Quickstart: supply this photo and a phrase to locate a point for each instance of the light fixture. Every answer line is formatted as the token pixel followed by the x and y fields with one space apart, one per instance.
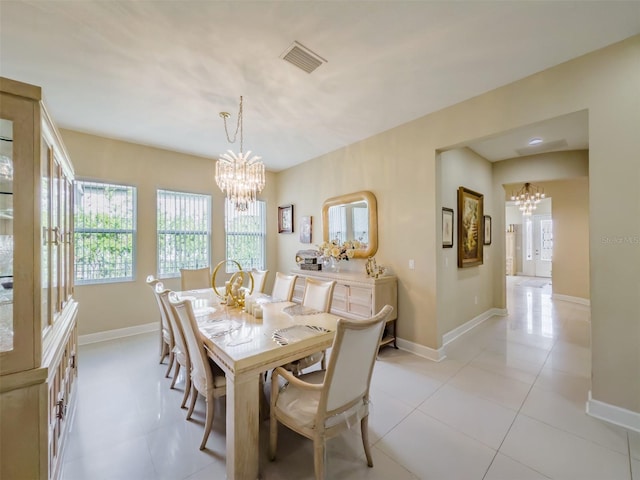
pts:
pixel 240 176
pixel 528 197
pixel 535 141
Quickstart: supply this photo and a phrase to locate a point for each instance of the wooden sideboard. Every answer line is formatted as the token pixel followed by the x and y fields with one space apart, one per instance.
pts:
pixel 357 296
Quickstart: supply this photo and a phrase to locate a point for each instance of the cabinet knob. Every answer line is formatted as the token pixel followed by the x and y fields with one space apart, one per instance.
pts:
pixel 60 409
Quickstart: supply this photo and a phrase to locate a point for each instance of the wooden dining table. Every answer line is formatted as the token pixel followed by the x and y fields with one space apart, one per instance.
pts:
pixel 245 347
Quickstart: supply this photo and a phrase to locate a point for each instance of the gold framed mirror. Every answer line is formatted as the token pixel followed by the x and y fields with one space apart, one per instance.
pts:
pixel 353 216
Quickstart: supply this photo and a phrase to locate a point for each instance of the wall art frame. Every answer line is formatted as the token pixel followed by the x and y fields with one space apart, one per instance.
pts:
pixel 306 224
pixel 447 227
pixel 470 228
pixel 487 230
pixel 285 219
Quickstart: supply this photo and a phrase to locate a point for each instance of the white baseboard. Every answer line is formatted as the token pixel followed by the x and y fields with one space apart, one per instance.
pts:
pixel 474 322
pixel 420 350
pixel 118 333
pixel 568 298
pixel 612 414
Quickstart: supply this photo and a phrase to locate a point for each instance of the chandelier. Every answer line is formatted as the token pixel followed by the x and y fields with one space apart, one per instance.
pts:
pixel 240 176
pixel 528 197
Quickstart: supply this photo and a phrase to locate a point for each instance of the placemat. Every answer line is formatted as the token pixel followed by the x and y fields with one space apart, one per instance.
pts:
pixel 295 333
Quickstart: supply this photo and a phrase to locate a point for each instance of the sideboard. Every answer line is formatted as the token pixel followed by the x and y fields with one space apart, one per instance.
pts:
pixel 357 296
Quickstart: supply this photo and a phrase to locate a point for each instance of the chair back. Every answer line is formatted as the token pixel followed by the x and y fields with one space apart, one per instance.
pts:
pixel 201 374
pixel 283 286
pixel 167 329
pixel 194 279
pixel 318 294
pixel 350 366
pixel 178 335
pixel 259 280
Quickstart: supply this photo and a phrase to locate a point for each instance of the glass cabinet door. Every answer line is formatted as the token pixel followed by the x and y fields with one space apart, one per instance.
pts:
pixel 6 235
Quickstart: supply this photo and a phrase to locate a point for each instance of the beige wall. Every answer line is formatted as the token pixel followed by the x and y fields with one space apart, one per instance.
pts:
pixel 111 306
pixel 400 167
pixel 464 293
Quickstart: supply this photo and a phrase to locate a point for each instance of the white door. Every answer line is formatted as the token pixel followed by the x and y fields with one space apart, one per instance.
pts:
pixel 537 241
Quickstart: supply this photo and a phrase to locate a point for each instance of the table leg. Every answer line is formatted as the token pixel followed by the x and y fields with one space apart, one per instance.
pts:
pixel 243 413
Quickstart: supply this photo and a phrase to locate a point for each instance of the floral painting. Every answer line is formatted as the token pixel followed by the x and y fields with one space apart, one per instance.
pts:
pixel 470 233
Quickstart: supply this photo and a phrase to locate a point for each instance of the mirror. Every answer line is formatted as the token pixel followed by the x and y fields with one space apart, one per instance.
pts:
pixel 352 217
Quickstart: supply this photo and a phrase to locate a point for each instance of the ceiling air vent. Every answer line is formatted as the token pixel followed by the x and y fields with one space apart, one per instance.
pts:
pixel 543 147
pixel 303 58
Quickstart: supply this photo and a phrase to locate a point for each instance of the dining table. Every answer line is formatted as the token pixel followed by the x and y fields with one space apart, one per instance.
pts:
pixel 245 346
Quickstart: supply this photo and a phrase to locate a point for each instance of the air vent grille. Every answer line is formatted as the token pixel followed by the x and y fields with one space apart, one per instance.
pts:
pixel 303 58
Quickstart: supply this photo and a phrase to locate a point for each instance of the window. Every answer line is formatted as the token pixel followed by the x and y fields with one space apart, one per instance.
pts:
pixel 184 232
pixel 105 232
pixel 246 233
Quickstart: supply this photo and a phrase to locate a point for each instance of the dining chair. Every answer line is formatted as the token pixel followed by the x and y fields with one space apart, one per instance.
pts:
pixel 180 351
pixel 259 280
pixel 166 332
pixel 283 286
pixel 164 347
pixel 207 378
pixel 194 279
pixel 321 404
pixel 318 295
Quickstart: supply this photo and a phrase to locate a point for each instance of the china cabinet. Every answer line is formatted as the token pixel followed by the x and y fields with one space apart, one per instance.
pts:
pixel 38 335
pixel 357 296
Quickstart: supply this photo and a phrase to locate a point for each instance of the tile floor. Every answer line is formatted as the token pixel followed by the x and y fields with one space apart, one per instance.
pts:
pixel 508 403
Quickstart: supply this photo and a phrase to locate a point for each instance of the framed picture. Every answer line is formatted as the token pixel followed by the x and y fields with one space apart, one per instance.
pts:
pixel 487 230
pixel 305 230
pixel 447 227
pixel 285 219
pixel 470 228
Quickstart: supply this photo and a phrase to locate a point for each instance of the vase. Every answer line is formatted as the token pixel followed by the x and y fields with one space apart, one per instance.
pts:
pixel 335 265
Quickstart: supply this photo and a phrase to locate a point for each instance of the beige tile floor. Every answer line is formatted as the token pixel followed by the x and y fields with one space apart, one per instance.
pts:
pixel 508 403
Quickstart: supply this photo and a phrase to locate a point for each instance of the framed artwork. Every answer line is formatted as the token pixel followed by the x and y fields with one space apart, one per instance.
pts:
pixel 487 230
pixel 285 219
pixel 305 230
pixel 470 228
pixel 447 227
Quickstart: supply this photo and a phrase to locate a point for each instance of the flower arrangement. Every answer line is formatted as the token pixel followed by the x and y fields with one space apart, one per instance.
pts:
pixel 337 251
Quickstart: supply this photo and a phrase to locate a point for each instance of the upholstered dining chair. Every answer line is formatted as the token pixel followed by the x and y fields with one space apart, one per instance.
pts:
pixel 180 351
pixel 321 404
pixel 283 286
pixel 193 279
pixel 259 279
pixel 207 378
pixel 318 295
pixel 164 346
pixel 166 332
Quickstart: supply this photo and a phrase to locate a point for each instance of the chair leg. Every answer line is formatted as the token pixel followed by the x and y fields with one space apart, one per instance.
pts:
pixel 364 427
pixel 170 366
pixel 208 420
pixel 273 436
pixel 194 397
pixel 175 375
pixel 318 457
pixel 187 389
pixel 323 362
pixel 163 350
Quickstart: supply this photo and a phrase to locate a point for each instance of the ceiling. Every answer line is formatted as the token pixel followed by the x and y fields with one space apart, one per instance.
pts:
pixel 160 72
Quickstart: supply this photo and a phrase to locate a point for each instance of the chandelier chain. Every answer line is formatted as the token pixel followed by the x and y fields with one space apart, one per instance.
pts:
pixel 239 126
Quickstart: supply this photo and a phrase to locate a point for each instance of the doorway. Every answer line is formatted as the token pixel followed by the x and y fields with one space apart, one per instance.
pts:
pixel 537 241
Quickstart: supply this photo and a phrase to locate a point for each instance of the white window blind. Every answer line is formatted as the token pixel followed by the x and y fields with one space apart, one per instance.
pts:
pixel 246 235
pixel 104 232
pixel 184 232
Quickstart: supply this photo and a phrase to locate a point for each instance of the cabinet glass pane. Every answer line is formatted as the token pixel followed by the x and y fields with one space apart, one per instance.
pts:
pixel 6 235
pixel 45 215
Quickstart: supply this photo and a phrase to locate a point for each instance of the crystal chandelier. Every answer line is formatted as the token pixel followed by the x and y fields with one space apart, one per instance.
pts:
pixel 528 197
pixel 240 176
